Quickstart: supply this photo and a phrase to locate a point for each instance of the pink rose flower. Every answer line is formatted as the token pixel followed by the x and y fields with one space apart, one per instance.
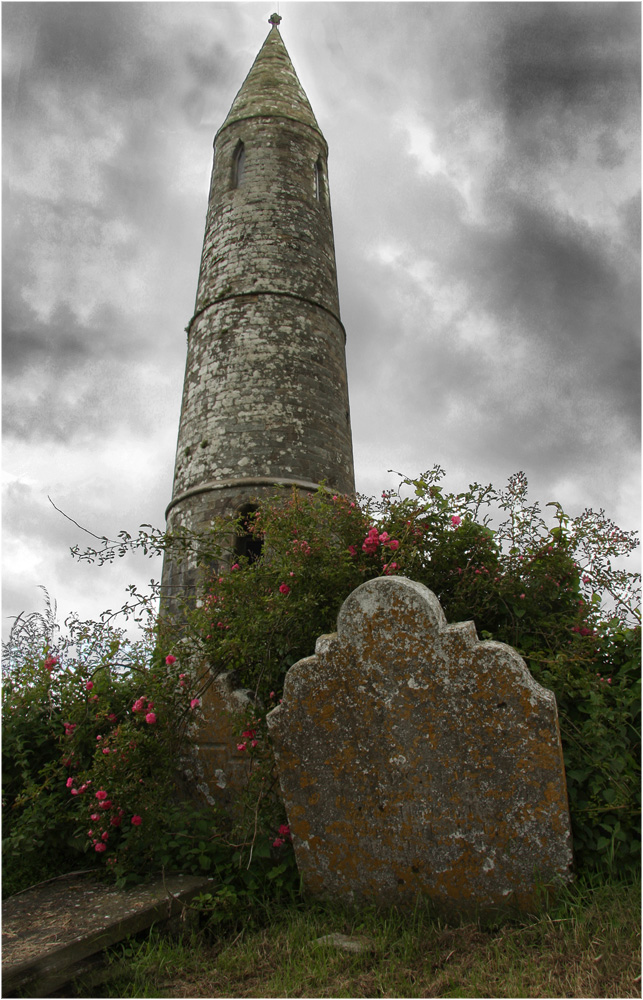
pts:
pixel 195 703
pixel 150 718
pixel 70 782
pixel 284 830
pixel 393 544
pixel 277 842
pixel 284 588
pixel 107 804
pixel 137 820
pixel 100 846
pixel 51 662
pixel 89 685
pixel 169 659
pixel 100 794
pixel 455 520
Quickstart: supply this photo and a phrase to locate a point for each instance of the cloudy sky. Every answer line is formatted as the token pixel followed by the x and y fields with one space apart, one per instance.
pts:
pixel 485 185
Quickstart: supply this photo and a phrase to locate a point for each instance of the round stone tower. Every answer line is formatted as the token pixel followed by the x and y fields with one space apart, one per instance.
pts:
pixel 265 397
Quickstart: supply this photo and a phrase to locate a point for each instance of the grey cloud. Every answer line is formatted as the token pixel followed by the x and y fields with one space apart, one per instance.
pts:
pixel 62 340
pixel 556 57
pixel 630 217
pixel 27 341
pixel 85 44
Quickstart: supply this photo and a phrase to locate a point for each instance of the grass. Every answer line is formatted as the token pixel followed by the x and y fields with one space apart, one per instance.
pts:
pixel 586 945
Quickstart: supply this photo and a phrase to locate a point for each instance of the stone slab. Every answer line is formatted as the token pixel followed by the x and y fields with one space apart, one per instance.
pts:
pixel 216 772
pixel 415 759
pixel 49 931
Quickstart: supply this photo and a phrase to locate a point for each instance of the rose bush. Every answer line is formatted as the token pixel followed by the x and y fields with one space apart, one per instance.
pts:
pixel 95 723
pixel 553 591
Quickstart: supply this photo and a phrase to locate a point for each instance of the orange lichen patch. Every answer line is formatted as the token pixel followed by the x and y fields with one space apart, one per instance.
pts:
pixel 442 772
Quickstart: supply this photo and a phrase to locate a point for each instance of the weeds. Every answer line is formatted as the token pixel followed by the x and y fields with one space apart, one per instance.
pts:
pixel 587 944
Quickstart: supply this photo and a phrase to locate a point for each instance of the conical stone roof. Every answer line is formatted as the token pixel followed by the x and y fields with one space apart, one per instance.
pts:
pixel 272 88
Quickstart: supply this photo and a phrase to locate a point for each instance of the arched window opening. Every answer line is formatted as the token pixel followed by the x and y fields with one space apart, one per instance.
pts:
pixel 239 165
pixel 247 543
pixel 319 181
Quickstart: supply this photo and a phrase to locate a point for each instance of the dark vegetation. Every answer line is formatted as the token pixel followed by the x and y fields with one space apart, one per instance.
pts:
pixel 95 721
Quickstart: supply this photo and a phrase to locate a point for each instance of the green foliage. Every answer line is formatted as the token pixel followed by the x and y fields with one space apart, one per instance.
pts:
pixel 260 617
pixel 94 727
pixel 552 592
pixel 95 712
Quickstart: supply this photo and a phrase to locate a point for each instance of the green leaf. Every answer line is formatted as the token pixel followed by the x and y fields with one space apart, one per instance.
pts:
pixel 577 775
pixel 261 849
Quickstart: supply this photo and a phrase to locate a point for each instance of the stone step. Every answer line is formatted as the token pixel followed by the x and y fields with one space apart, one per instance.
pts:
pixel 51 930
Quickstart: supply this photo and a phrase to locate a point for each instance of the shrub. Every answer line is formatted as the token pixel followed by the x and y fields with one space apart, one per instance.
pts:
pixel 95 726
pixel 546 590
pixel 553 592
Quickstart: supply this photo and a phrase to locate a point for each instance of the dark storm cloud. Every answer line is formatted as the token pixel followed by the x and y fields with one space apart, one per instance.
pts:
pixel 82 42
pixel 561 286
pixel 27 341
pixel 60 340
pixel 582 57
pixel 112 47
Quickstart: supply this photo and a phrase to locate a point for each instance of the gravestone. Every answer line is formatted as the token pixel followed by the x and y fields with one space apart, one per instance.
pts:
pixel 415 759
pixel 215 770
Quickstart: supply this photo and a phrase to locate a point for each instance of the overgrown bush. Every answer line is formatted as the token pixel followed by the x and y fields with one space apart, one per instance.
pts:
pixel 554 592
pixel 95 727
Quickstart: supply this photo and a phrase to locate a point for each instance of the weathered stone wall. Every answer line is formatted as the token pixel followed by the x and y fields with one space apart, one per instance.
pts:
pixel 265 395
pixel 271 233
pixel 414 759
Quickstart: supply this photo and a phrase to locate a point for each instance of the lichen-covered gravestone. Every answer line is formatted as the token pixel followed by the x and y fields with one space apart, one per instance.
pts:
pixel 215 771
pixel 415 759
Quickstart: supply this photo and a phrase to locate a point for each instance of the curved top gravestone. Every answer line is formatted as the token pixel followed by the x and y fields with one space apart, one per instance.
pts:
pixel 415 759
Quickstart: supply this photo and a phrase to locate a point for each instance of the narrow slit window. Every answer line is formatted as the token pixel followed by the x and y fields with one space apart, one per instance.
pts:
pixel 239 166
pixel 319 181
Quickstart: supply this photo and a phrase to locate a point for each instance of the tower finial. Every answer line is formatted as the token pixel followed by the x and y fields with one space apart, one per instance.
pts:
pixel 274 20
